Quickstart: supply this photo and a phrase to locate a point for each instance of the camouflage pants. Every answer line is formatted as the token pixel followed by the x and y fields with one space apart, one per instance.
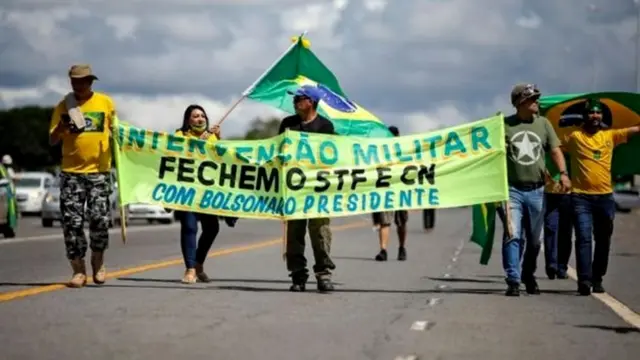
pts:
pixel 76 190
pixel 320 235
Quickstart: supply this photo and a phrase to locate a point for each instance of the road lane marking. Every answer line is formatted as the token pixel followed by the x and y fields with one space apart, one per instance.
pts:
pixel 622 310
pixel 419 325
pixel 12 295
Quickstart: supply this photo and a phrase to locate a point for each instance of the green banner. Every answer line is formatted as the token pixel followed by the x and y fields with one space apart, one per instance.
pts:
pixel 298 175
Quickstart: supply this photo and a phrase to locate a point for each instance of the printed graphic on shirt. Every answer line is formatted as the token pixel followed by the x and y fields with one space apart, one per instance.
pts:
pixel 526 147
pixel 597 154
pixel 94 121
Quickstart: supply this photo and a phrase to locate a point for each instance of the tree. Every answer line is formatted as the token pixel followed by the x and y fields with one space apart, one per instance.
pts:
pixel 24 134
pixel 262 128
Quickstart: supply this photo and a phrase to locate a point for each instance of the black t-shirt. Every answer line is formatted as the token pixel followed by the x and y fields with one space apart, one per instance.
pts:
pixel 319 125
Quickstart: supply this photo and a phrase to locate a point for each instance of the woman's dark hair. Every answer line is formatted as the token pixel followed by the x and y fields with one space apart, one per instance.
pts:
pixel 187 115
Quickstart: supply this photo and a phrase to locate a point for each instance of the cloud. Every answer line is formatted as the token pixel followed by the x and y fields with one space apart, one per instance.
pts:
pixel 417 64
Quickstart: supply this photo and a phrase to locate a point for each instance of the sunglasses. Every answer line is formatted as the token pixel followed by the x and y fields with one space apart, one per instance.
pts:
pixel 530 90
pixel 595 112
pixel 299 98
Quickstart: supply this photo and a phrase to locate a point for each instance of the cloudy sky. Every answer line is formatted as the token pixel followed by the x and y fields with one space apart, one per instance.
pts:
pixel 418 64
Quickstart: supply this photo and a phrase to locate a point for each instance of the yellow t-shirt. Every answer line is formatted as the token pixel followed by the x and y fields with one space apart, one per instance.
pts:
pixel 90 150
pixel 190 134
pixel 591 156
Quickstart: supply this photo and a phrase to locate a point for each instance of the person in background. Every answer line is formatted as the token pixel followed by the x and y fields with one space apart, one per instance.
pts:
pixel 529 137
pixel 195 124
pixel 558 228
pixel 307 119
pixel 82 122
pixel 382 220
pixel 7 161
pixel 590 147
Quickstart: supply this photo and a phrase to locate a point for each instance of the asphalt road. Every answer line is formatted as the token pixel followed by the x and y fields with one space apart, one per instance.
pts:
pixel 439 304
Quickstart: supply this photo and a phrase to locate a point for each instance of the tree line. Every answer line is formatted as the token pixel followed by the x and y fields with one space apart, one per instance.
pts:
pixel 24 134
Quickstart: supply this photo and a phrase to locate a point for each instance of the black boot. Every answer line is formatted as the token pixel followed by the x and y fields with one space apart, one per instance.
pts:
pixel 597 287
pixel 584 288
pixel 325 285
pixel 513 289
pixel 531 286
pixel 299 282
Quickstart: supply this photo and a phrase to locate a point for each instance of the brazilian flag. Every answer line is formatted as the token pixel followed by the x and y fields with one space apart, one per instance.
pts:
pixel 299 68
pixel 484 228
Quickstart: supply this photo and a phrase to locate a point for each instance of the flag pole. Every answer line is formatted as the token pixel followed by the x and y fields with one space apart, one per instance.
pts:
pixel 123 222
pixel 248 90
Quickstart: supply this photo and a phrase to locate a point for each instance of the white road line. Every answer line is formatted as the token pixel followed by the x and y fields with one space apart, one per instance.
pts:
pixel 58 236
pixel 410 357
pixel 622 310
pixel 419 325
pixel 434 301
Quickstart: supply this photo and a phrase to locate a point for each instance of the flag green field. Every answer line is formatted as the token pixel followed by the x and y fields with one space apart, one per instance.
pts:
pixel 620 110
pixel 300 67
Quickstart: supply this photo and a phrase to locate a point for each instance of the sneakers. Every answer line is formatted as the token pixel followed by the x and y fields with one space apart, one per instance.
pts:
pixel 512 290
pixel 201 275
pixel 189 276
pixel 325 285
pixel 597 288
pixel 382 255
pixel 584 289
pixel 532 287
pixel 402 254
pixel 79 277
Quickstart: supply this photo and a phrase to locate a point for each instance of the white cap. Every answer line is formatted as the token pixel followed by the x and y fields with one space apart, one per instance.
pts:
pixel 7 160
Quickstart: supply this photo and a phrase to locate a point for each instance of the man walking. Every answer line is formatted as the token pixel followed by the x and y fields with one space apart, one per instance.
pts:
pixel 383 221
pixel 307 119
pixel 528 137
pixel 82 122
pixel 591 150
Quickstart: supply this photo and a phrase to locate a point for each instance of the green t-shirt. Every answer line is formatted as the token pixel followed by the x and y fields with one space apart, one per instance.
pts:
pixel 527 144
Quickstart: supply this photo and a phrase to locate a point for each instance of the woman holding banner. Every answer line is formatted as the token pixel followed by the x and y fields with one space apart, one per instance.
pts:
pixel 195 124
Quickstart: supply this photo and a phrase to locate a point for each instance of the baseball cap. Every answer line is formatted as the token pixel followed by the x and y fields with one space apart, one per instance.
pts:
pixel 309 91
pixel 79 71
pixel 522 92
pixel 593 105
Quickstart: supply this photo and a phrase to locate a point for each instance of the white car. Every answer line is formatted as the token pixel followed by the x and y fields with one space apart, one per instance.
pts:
pixel 626 199
pixel 31 189
pixel 149 212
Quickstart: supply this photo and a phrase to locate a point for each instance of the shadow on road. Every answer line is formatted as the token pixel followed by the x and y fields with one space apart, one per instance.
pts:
pixel 480 281
pixel 32 283
pixel 616 329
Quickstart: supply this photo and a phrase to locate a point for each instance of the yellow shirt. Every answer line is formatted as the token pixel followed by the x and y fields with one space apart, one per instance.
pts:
pixel 591 156
pixel 90 150
pixel 190 134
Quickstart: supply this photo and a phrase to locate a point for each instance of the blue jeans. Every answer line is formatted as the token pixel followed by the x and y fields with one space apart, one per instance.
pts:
pixel 526 211
pixel 558 229
pixel 593 214
pixel 192 252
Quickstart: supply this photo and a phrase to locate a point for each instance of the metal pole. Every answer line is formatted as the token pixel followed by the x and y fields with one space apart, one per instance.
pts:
pixel 637 44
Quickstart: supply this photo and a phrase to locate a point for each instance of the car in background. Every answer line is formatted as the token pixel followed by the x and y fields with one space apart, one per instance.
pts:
pixel 6 198
pixel 51 205
pixel 151 213
pixel 626 199
pixel 31 188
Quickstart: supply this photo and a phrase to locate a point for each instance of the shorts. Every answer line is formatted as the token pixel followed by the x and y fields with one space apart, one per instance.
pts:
pixel 383 219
